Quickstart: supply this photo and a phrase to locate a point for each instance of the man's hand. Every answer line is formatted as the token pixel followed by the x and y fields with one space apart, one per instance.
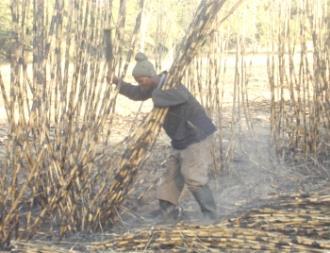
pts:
pixel 114 80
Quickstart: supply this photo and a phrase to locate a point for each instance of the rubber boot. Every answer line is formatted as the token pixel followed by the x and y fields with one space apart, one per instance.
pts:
pixel 204 197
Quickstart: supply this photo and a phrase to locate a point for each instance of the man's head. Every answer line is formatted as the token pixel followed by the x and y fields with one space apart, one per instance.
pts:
pixel 144 72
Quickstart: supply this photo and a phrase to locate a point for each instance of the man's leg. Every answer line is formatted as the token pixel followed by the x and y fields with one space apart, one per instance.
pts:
pixel 172 182
pixel 170 188
pixel 196 160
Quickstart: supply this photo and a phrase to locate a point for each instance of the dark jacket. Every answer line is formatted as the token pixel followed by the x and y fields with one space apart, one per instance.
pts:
pixel 186 121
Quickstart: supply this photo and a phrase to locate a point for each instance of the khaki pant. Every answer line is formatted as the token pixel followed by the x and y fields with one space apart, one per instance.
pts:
pixel 189 166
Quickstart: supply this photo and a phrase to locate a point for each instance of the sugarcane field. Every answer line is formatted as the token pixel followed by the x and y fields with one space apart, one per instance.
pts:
pixel 164 126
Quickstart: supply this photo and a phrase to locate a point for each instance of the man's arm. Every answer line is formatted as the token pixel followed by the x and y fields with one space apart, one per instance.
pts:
pixel 133 92
pixel 170 97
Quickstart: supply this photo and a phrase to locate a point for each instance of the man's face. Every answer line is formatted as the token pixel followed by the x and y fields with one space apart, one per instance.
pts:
pixel 146 82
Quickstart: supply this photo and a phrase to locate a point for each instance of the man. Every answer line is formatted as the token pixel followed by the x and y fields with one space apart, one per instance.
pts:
pixel 190 130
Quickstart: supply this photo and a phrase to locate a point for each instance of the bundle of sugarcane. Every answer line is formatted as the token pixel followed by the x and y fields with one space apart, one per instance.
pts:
pixel 188 238
pixel 38 247
pixel 301 215
pixel 299 223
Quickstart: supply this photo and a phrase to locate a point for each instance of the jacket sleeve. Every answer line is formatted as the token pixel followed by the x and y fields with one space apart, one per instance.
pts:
pixel 171 97
pixel 133 92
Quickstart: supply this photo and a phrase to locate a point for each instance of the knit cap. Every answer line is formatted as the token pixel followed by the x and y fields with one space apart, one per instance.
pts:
pixel 143 66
